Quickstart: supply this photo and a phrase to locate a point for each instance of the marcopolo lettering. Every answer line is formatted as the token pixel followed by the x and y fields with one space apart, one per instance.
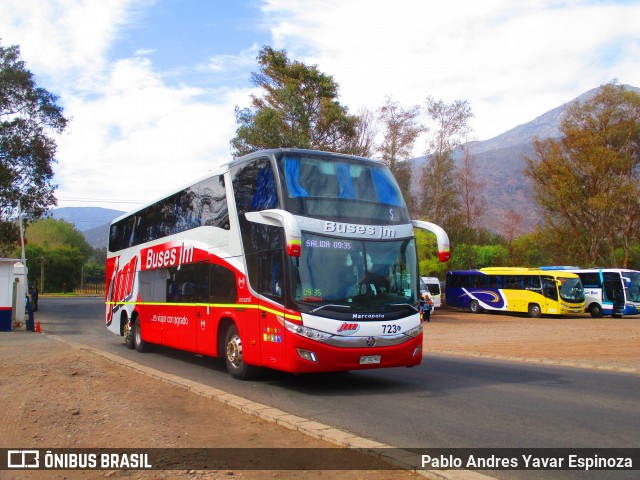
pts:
pixel 368 316
pixel 367 230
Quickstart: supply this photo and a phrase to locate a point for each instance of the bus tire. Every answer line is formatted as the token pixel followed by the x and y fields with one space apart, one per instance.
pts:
pixel 128 334
pixel 534 310
pixel 233 359
pixel 595 310
pixel 474 306
pixel 140 345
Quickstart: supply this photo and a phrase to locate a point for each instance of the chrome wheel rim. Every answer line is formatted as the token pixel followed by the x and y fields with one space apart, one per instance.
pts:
pixel 234 351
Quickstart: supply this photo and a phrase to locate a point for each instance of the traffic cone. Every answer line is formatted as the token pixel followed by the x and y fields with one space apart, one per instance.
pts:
pixel 37 327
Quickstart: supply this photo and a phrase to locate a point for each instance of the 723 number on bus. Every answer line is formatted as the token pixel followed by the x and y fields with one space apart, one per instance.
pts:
pixel 391 328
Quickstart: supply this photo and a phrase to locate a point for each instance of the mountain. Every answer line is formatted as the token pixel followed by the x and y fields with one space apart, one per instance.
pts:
pixel 93 222
pixel 85 218
pixel 500 165
pixel 97 237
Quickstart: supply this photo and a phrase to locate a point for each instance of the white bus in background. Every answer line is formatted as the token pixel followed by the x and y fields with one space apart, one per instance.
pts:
pixel 433 285
pixel 609 291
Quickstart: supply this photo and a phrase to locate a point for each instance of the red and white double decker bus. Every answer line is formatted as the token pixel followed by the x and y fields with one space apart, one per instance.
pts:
pixel 295 260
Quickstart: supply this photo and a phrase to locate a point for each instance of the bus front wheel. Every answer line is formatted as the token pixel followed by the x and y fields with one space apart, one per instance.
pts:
pixel 595 310
pixel 534 310
pixel 233 359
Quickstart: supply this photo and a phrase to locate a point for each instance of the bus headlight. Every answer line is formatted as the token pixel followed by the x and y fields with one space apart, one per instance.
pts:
pixel 414 332
pixel 310 333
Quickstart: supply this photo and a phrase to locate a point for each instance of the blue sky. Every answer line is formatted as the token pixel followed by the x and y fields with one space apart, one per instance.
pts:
pixel 151 85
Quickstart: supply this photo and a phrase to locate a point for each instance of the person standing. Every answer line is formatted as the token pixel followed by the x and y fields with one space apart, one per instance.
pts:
pixel 426 306
pixel 34 299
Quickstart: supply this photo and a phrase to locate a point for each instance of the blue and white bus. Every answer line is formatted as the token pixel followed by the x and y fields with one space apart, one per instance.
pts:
pixel 609 291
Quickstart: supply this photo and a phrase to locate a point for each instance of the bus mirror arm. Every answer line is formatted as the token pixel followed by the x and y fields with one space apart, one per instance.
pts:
pixel 441 237
pixel 284 219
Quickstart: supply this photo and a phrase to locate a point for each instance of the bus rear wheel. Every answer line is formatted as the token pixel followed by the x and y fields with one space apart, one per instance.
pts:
pixel 233 358
pixel 534 310
pixel 474 306
pixel 139 344
pixel 128 334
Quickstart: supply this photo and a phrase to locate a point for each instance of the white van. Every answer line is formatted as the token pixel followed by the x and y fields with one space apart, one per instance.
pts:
pixel 433 284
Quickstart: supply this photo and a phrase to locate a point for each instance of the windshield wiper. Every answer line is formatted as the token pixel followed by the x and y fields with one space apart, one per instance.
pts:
pixel 330 305
pixel 402 305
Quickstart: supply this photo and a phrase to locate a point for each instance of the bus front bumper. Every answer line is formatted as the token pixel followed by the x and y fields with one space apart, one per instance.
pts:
pixel 309 356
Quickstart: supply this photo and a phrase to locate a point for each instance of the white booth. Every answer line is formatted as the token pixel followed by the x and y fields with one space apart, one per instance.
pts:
pixel 13 292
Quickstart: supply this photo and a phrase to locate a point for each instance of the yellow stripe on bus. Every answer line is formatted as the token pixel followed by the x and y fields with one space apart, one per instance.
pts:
pixel 213 305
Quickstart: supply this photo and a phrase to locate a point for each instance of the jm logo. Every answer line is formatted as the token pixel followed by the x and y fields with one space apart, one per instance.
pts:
pixel 23 459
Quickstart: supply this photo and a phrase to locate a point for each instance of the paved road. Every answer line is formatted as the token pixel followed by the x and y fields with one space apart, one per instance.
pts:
pixel 446 402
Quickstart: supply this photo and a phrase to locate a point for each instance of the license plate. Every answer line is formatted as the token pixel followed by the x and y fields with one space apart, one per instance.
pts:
pixel 370 359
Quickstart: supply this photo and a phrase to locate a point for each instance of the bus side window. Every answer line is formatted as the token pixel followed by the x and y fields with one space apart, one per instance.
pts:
pixel 253 187
pixel 222 285
pixel 212 203
pixel 271 281
pixel 191 284
pixel 549 288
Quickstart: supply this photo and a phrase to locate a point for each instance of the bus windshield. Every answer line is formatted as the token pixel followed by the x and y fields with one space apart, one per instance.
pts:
pixel 323 186
pixel 355 274
pixel 571 290
pixel 633 290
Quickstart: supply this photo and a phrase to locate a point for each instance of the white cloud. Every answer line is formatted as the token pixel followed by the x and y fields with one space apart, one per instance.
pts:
pixel 141 138
pixel 223 63
pixel 132 136
pixel 135 135
pixel 511 61
pixel 65 40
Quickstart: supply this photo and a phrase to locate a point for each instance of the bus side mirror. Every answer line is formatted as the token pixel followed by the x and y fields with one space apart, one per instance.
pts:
pixel 441 237
pixel 284 219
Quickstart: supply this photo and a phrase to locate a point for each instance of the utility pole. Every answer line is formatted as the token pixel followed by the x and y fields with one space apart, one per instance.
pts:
pixel 24 261
pixel 41 273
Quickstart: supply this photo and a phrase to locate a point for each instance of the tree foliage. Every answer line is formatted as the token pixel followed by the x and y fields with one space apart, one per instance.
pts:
pixel 50 233
pixel 588 182
pixel 401 130
pixel 363 143
pixel 472 200
pixel 28 115
pixel 440 200
pixel 57 249
pixel 298 108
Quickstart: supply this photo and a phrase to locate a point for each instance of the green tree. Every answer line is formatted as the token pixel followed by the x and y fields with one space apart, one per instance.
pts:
pixel 57 249
pixel 298 108
pixel 588 182
pixel 401 130
pixel 50 233
pixel 28 115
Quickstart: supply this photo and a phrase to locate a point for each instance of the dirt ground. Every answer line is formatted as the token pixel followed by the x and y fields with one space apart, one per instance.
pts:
pixel 54 396
pixel 604 343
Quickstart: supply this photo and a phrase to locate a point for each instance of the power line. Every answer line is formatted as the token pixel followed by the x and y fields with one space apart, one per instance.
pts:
pixel 99 200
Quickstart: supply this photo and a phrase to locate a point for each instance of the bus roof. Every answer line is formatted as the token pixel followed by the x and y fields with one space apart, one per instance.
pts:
pixel 514 271
pixel 224 167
